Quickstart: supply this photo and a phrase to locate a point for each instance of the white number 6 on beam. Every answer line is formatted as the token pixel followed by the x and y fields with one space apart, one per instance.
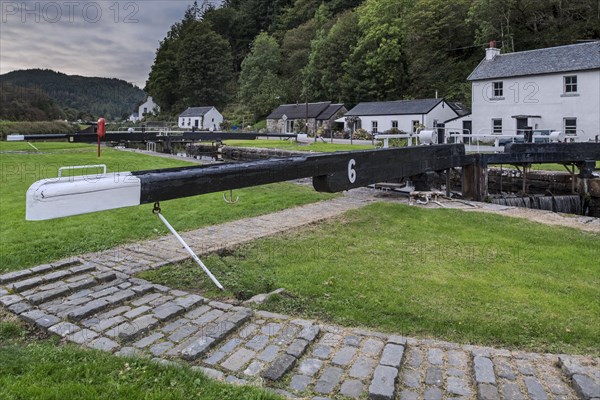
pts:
pixel 351 171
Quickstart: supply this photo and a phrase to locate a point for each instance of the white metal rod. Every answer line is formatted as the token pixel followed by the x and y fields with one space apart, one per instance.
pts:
pixel 189 250
pixel 36 149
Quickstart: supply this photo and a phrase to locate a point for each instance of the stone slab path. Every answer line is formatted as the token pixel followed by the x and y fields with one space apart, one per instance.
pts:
pixel 95 300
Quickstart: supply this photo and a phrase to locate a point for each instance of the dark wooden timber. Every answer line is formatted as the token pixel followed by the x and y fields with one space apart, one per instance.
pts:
pixel 331 172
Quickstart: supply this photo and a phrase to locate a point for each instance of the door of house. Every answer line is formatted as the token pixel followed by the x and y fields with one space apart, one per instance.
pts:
pixel 468 127
pixel 196 121
pixel 521 125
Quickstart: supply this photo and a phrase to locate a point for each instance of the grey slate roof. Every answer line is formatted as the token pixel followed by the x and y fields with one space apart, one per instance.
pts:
pixel 575 57
pixel 195 111
pixel 399 107
pixel 298 111
pixel 459 108
pixel 330 111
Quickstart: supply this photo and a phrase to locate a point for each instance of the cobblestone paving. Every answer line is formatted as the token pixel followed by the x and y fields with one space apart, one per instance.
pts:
pixel 95 301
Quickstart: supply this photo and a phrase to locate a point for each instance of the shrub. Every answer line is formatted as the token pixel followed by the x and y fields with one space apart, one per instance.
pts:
pixel 37 128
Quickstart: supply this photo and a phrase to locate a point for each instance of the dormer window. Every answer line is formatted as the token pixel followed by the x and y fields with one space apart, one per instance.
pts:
pixel 570 85
pixel 498 88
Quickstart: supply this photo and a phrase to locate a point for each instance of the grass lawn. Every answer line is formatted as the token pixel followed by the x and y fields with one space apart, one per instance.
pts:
pixel 25 243
pixel 47 370
pixel 463 277
pixel 548 167
pixel 293 145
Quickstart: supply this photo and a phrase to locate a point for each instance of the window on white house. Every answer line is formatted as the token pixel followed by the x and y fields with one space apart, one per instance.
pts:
pixel 394 124
pixel 145 110
pixel 415 126
pixel 570 84
pixel 497 125
pixel 189 121
pixel 374 127
pixel 570 126
pixel 498 89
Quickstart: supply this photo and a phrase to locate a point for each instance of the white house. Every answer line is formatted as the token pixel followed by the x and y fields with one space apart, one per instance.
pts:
pixel 555 88
pixel 148 107
pixel 134 117
pixel 202 118
pixel 403 115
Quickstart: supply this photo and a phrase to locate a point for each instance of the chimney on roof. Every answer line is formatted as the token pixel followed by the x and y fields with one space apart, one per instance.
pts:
pixel 492 51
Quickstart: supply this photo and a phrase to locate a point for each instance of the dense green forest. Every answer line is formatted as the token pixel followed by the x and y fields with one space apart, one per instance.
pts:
pixel 42 94
pixel 251 55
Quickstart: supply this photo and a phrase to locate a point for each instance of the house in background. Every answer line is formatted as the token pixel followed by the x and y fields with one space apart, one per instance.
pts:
pixel 555 88
pixel 201 118
pixel 402 115
pixel 462 123
pixel 134 117
pixel 289 118
pixel 148 107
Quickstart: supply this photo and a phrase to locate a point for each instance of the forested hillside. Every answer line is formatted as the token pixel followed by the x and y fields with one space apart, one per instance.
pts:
pixel 26 104
pixel 78 96
pixel 256 54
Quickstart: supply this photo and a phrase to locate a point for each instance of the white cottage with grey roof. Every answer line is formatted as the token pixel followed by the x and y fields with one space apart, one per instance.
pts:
pixel 403 115
pixel 556 88
pixel 201 118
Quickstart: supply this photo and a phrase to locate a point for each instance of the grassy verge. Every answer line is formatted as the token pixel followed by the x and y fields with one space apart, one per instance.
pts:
pixel 45 369
pixel 464 277
pixel 549 167
pixel 26 243
pixel 293 145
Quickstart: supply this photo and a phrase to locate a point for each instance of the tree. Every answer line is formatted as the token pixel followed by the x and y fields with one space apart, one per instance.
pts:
pixel 205 67
pixel 295 50
pixel 311 73
pixel 377 67
pixel 260 85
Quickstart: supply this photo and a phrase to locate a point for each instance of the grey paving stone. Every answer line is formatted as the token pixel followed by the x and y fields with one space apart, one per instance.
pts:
pixel 145 299
pixel 383 384
pixel 372 347
pixel 107 323
pixel 484 370
pixel 504 370
pixel 487 391
pixel 22 286
pixel 309 333
pixel 129 352
pixel 238 359
pixel 556 385
pixel 415 357
pixel 236 381
pixel 411 378
pixel 190 301
pixel 409 395
pixel 321 351
pixel 161 348
pixel 82 284
pixel 328 380
pixel 208 317
pixel 88 309
pixel 113 313
pixel 47 321
pixel 297 348
pixel 585 386
pixel 282 365
pixel 130 330
pixel 344 356
pixel 511 391
pixel 64 328
pixel 55 276
pixel 310 366
pixel 525 367
pixel 104 344
pixel 136 312
pixel 434 376
pixel 47 295
pixel 254 368
pixel 81 337
pixel 432 393
pixel 248 331
pixel 269 353
pixel 211 373
pixel 183 333
pixel 197 348
pixel 215 358
pixel 104 292
pixel 397 339
pixel 330 339
pixel 270 315
pixel 258 342
pixel 362 367
pixel 435 356
pixel 300 382
pixel 143 289
pixel 33 315
pixel 40 269
pixel 148 340
pixel 352 340
pixel 3 292
pixel 19 308
pixel 10 299
pixel 271 329
pixel 14 276
pixel 173 326
pixel 534 388
pixel 220 305
pixel 352 388
pixel 392 355
pixel 458 386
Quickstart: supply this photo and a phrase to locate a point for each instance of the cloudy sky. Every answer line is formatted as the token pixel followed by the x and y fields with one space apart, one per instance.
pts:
pixel 114 39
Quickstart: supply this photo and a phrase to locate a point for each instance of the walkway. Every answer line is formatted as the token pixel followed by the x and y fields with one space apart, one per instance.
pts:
pixel 95 300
